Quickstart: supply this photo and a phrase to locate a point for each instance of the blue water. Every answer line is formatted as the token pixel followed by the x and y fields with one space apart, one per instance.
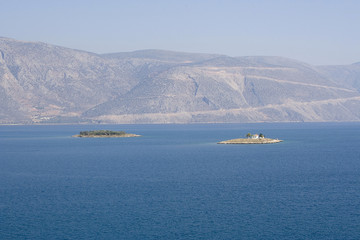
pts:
pixel 175 182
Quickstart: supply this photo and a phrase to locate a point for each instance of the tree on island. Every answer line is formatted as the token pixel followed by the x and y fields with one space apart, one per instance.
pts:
pixel 261 135
pixel 248 135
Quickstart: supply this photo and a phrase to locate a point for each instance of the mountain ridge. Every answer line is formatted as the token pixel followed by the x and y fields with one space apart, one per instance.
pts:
pixel 42 83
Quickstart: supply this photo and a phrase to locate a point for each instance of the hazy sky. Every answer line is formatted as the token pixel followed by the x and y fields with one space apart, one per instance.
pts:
pixel 314 31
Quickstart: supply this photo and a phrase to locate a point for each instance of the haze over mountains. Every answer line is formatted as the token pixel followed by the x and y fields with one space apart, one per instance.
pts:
pixel 42 83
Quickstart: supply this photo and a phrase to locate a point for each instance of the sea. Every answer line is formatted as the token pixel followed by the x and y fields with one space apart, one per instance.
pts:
pixel 176 182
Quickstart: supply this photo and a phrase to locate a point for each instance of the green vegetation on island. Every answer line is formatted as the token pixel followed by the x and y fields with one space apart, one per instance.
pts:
pixel 251 139
pixel 105 133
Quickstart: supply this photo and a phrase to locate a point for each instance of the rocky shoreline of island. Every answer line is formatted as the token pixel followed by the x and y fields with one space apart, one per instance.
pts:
pixel 251 141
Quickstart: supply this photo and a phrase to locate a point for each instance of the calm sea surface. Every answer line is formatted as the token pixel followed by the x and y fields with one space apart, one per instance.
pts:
pixel 175 182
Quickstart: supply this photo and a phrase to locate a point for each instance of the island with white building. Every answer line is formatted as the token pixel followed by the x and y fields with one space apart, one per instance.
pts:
pixel 251 139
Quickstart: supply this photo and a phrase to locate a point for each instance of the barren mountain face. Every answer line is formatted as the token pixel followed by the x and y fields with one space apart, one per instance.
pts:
pixel 42 83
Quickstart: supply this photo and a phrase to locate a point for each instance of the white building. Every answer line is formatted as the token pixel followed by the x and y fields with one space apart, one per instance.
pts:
pixel 255 136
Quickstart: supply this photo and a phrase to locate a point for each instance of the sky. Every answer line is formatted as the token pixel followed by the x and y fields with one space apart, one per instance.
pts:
pixel 319 32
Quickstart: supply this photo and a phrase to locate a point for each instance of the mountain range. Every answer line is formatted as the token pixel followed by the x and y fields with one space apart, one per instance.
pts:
pixel 42 83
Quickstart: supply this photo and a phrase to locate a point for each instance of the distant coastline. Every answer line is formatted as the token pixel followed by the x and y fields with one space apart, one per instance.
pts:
pixel 251 141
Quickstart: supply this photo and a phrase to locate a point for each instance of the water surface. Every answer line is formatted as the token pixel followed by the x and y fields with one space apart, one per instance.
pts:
pixel 175 182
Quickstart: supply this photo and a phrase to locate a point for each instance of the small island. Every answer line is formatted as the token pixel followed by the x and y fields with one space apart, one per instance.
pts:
pixel 251 139
pixel 105 134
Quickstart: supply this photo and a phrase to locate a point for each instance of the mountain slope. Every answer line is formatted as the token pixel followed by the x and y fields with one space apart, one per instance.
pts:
pixel 231 94
pixel 42 83
pixel 346 75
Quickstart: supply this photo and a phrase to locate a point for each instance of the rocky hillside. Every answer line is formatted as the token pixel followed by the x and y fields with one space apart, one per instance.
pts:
pixel 42 83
